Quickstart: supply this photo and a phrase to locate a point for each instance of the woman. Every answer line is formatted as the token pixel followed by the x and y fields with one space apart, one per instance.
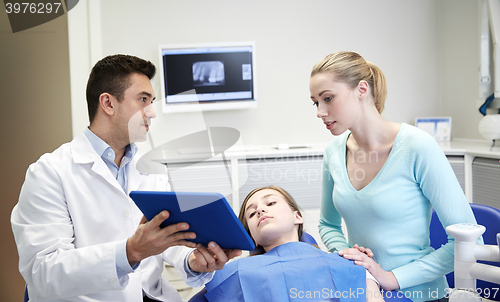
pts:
pixel 287 269
pixel 383 178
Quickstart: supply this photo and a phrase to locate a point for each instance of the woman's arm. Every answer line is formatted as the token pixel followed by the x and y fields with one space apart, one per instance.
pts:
pixel 387 280
pixel 373 293
pixel 330 222
pixel 440 186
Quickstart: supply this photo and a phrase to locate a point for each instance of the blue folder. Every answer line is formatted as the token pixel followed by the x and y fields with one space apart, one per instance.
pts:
pixel 208 215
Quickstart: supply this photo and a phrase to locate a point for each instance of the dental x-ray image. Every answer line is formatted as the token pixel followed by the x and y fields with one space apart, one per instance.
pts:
pixel 208 73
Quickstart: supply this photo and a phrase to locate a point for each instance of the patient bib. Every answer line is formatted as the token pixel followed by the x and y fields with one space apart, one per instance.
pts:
pixel 294 271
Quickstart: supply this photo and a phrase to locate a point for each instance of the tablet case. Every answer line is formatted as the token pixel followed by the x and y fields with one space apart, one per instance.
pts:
pixel 208 215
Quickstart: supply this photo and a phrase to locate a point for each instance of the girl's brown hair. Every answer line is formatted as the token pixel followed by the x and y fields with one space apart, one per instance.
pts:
pixel 289 199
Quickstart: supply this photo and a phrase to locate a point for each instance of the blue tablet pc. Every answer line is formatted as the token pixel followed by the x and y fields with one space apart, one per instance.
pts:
pixel 208 215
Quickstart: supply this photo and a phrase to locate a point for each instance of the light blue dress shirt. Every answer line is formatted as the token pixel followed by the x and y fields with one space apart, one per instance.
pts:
pixel 108 156
pixel 120 173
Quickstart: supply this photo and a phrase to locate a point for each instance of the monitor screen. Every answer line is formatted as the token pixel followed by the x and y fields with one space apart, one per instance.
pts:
pixel 207 76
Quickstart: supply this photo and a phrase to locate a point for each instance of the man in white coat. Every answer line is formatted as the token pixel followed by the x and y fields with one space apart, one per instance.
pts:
pixel 79 235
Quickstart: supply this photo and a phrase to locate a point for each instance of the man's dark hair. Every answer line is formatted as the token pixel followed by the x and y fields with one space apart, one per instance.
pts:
pixel 111 75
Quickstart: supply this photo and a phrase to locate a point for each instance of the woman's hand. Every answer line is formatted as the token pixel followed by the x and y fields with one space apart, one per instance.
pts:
pixel 386 279
pixel 367 251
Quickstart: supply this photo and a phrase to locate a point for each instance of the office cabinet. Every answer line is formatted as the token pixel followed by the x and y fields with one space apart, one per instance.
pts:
pixel 298 175
pixel 486 181
pixel 457 163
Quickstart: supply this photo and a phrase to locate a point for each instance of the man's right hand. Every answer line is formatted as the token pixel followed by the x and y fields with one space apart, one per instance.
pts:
pixel 149 239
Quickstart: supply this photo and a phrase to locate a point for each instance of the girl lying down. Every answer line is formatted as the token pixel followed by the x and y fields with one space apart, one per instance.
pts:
pixel 287 270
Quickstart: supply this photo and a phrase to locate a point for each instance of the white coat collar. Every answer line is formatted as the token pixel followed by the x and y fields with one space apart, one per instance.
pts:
pixel 135 178
pixel 83 153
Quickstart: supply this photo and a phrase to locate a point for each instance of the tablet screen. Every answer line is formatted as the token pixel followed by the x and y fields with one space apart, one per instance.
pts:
pixel 208 215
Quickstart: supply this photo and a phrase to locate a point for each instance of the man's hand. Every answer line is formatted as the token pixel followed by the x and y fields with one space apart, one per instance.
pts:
pixel 209 259
pixel 149 239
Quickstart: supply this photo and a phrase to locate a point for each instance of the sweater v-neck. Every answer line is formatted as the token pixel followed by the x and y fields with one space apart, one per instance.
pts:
pixel 345 175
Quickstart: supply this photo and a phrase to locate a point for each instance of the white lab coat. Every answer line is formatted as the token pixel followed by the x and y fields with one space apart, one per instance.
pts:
pixel 70 216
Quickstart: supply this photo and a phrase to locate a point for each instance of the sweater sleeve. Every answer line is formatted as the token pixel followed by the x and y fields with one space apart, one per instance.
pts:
pixel 330 222
pixel 440 186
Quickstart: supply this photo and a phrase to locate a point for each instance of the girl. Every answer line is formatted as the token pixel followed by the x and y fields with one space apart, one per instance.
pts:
pixel 383 178
pixel 288 270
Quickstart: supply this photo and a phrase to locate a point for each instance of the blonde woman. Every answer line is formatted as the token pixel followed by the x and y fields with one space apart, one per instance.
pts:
pixel 383 178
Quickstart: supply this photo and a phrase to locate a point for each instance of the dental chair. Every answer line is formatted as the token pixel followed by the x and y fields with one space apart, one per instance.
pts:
pixel 200 296
pixel 489 218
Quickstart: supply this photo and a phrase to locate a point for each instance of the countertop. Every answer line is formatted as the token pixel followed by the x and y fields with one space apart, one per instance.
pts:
pixel 458 147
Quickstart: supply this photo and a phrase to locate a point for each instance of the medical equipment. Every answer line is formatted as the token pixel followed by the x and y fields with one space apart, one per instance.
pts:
pixel 467 252
pixel 489 126
pixel 489 80
pixel 207 76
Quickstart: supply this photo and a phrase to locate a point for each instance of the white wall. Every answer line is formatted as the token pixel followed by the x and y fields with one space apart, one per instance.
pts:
pixel 401 37
pixel 459 66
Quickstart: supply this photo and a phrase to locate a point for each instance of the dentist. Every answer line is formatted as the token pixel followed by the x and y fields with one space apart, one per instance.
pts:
pixel 79 235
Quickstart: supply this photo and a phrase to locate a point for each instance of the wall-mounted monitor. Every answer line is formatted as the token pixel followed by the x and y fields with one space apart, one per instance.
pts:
pixel 207 76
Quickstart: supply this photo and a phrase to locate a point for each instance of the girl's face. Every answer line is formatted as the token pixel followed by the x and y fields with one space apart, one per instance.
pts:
pixel 338 105
pixel 270 219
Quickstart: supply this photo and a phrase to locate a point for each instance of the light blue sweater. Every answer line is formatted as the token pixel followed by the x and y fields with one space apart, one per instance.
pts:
pixel 392 214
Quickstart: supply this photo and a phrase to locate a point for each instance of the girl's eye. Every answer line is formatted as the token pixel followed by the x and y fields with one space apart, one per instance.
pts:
pixel 328 99
pixel 315 104
pixel 271 203
pixel 144 99
pixel 251 215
